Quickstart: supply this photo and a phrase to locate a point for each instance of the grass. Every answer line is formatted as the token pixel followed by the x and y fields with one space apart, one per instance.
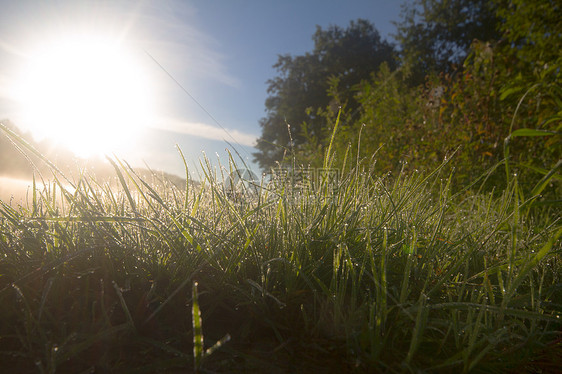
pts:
pixel 364 273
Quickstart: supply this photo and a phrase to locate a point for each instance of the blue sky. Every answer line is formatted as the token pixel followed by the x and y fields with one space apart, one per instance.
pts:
pixel 221 52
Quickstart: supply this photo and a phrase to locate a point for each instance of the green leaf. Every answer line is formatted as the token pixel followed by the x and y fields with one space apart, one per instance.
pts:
pixel 509 92
pixel 541 185
pixel 532 132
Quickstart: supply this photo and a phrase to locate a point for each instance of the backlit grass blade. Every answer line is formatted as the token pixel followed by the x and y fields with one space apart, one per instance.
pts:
pixel 419 328
pixel 328 158
pixel 197 330
pixel 124 305
pixel 225 339
pixel 528 267
pixel 186 200
pixel 410 256
pixel 123 184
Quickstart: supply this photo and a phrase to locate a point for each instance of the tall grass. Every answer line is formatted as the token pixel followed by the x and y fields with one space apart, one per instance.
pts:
pixel 364 273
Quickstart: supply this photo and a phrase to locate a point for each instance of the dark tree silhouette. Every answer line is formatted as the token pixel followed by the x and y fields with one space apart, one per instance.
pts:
pixel 301 89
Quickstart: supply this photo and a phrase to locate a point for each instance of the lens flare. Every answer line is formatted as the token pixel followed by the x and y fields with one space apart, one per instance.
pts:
pixel 86 93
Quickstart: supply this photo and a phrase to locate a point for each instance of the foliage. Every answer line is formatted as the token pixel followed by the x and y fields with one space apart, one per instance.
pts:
pixel 533 30
pixel 504 87
pixel 531 78
pixel 361 274
pixel 434 35
pixel 300 90
pixel 385 124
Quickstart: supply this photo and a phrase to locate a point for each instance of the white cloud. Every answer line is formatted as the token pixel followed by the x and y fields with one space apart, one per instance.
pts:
pixel 207 131
pixel 167 33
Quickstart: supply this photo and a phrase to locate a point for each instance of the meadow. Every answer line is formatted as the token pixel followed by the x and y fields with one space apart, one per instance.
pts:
pixel 391 273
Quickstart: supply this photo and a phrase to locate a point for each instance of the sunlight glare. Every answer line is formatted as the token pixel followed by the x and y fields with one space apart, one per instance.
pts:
pixel 87 94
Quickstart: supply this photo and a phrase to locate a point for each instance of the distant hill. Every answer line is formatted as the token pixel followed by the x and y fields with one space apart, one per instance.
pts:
pixel 17 164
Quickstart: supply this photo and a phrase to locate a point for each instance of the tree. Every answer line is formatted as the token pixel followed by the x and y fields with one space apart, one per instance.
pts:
pixel 503 86
pixel 299 94
pixel 533 29
pixel 531 85
pixel 434 35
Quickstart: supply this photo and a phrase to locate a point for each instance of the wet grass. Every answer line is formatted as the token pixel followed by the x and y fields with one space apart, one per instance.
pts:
pixel 364 273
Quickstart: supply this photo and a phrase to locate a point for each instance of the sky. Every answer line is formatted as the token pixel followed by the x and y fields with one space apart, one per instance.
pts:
pixel 191 74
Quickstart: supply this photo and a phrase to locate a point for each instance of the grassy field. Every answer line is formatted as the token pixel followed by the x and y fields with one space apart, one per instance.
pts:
pixel 361 273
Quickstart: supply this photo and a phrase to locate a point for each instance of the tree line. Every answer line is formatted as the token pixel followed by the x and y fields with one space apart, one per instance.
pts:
pixel 477 79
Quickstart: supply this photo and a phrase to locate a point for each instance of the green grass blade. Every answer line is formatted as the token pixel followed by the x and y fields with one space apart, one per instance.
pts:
pixel 124 185
pixel 197 330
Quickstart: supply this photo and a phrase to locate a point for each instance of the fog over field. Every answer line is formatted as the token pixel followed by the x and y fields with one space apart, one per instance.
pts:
pixel 13 189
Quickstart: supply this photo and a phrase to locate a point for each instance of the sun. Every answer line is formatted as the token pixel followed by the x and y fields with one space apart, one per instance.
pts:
pixel 87 93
